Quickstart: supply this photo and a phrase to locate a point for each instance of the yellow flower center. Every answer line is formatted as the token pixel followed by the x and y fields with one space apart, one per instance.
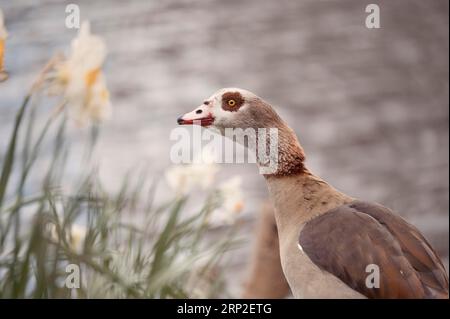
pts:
pixel 105 95
pixel 238 207
pixel 91 77
pixel 63 74
pixel 2 52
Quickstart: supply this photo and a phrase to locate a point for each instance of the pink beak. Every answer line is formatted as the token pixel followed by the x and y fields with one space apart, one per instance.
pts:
pixel 200 116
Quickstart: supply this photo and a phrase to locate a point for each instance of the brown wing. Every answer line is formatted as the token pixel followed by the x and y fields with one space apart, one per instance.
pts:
pixel 345 240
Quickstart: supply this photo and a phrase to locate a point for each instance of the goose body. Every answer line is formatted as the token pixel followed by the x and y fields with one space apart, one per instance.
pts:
pixel 331 245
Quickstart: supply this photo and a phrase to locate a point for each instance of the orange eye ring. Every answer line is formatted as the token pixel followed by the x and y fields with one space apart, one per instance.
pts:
pixel 231 103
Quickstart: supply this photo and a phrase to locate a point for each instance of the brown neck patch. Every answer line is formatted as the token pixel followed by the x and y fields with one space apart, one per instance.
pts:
pixel 232 101
pixel 291 156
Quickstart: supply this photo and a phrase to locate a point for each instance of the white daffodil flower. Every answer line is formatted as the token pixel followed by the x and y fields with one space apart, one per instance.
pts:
pixel 183 178
pixel 75 236
pixel 79 78
pixel 232 202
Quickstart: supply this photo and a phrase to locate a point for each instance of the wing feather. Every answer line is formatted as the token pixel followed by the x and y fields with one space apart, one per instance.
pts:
pixel 345 240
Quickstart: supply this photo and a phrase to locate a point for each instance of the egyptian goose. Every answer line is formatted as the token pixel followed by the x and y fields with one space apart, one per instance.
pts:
pixel 331 245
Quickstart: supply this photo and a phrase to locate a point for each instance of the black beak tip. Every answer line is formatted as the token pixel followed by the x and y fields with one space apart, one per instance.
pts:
pixel 180 120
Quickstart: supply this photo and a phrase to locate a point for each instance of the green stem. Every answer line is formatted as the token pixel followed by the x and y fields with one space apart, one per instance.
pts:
pixel 9 157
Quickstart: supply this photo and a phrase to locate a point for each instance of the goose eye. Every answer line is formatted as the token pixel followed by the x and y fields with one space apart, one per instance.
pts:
pixel 231 102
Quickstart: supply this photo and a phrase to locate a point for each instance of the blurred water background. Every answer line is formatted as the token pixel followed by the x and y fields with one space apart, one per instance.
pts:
pixel 370 106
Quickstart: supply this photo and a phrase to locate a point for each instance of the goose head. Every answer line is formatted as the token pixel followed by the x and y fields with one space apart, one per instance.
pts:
pixel 232 108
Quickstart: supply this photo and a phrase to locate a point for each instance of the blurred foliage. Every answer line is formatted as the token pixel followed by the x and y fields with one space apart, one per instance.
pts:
pixel 165 255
